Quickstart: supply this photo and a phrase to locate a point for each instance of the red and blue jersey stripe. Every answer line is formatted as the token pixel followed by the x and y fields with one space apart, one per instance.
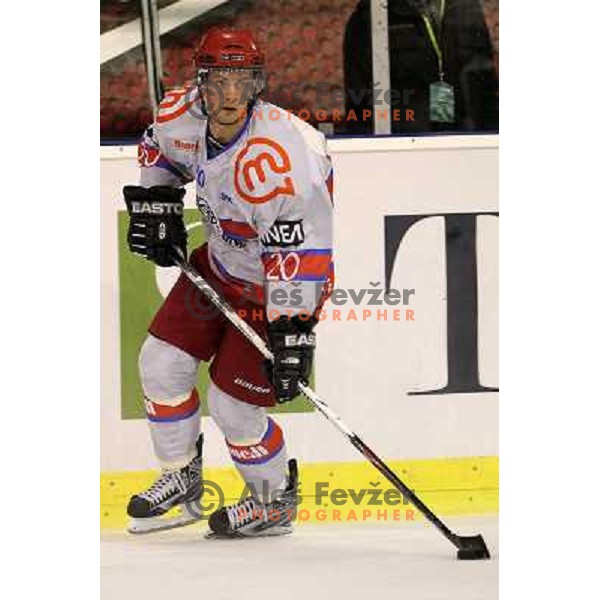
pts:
pixel 329 184
pixel 237 230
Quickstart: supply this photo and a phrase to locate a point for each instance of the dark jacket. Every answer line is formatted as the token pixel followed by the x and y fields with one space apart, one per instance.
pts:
pixel 468 65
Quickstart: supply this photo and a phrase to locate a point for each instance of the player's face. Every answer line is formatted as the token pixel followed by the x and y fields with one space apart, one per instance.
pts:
pixel 227 95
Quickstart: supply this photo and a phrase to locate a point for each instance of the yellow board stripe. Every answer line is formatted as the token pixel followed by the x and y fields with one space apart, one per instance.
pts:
pixel 450 486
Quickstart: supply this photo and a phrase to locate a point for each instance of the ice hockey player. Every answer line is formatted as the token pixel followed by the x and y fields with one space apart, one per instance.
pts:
pixel 263 183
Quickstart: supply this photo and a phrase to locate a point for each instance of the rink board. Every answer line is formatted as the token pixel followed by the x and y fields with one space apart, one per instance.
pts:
pixel 460 486
pixel 388 378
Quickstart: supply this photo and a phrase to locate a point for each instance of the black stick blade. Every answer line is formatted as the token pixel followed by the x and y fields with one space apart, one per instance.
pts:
pixel 472 547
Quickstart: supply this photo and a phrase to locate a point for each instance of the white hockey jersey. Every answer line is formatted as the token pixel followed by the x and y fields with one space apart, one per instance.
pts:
pixel 266 199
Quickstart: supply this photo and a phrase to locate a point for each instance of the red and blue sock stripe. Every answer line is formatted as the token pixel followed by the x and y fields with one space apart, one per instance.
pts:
pixel 161 413
pixel 269 446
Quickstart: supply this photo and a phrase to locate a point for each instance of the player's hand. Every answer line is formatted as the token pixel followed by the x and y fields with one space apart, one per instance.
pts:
pixel 156 224
pixel 292 343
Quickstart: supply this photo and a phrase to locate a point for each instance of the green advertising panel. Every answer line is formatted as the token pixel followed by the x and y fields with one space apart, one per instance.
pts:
pixel 139 299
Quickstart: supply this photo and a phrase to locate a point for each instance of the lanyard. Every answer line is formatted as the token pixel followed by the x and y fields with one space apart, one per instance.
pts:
pixel 433 38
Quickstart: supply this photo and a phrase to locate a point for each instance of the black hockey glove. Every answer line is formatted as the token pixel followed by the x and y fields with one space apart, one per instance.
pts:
pixel 156 224
pixel 292 343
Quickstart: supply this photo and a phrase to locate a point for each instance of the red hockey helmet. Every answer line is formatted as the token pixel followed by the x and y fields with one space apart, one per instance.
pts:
pixel 226 48
pixel 230 49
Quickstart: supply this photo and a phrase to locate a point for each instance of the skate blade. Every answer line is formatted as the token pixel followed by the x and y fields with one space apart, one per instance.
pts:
pixel 189 516
pixel 271 532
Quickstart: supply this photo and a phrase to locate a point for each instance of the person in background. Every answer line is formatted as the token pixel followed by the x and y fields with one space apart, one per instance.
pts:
pixel 441 64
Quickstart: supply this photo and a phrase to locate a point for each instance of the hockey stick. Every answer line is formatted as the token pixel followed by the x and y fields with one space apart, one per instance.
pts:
pixel 469 547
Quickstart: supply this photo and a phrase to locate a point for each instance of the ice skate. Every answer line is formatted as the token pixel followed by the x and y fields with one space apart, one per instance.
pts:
pixel 173 500
pixel 251 518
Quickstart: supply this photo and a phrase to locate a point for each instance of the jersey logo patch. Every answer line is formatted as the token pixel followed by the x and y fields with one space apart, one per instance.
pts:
pixel 260 170
pixel 201 177
pixel 284 234
pixel 185 145
pixel 147 155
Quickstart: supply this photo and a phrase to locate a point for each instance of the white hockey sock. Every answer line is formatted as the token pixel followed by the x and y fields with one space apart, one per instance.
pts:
pixel 254 440
pixel 174 429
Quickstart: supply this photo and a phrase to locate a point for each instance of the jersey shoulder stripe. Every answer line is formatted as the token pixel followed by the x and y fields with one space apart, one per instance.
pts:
pixel 177 102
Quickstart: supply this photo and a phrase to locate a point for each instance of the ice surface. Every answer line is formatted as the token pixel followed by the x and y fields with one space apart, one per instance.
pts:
pixel 405 560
